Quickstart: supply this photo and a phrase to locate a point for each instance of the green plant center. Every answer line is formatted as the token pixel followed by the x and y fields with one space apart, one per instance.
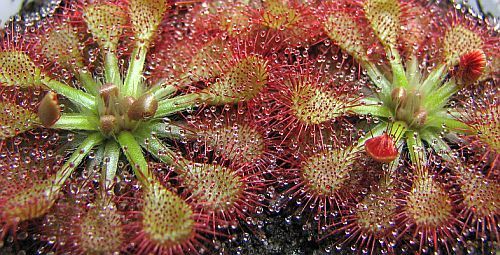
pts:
pixel 408 107
pixel 118 112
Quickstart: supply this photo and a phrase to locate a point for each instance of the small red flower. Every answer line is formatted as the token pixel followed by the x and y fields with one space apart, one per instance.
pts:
pixel 381 148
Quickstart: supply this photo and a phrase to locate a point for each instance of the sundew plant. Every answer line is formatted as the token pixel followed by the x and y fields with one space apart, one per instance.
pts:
pixel 163 127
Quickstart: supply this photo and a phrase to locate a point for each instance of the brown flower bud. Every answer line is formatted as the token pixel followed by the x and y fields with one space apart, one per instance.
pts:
pixel 107 123
pixel 143 108
pixel 107 91
pixel 399 97
pixel 48 110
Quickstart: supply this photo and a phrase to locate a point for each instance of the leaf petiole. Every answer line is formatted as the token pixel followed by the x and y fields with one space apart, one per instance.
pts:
pixel 177 104
pixel 76 158
pixel 76 121
pixel 76 96
pixel 131 87
pixel 110 163
pixel 134 154
pixel 111 70
pixel 416 149
pixel 398 71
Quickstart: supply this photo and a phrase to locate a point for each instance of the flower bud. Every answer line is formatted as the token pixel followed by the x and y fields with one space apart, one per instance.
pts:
pixel 108 91
pixel 143 108
pixel 399 96
pixel 107 123
pixel 419 118
pixel 49 111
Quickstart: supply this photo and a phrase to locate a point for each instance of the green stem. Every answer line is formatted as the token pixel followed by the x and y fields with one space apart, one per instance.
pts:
pixel 134 76
pixel 437 144
pixel 76 96
pixel 379 79
pixel 443 119
pixel 376 131
pixel 176 104
pixel 416 149
pixel 133 152
pixel 95 162
pixel 111 70
pixel 160 151
pixel 162 89
pixel 433 80
pixel 393 166
pixel 413 72
pixel 175 131
pixel 76 158
pixel 88 82
pixel 373 109
pixel 165 91
pixel 111 157
pixel 154 146
pixel 397 130
pixel 76 121
pixel 398 71
pixel 440 97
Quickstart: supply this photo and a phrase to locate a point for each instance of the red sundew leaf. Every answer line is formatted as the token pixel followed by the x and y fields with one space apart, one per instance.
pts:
pixel 384 17
pixel 62 44
pixel 166 222
pixel 15 119
pixel 18 69
pixel 242 82
pixel 459 41
pixel 105 22
pixel 146 16
pixel 381 148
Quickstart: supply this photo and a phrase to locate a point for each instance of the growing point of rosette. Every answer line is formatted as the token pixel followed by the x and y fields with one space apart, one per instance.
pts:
pixel 408 94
